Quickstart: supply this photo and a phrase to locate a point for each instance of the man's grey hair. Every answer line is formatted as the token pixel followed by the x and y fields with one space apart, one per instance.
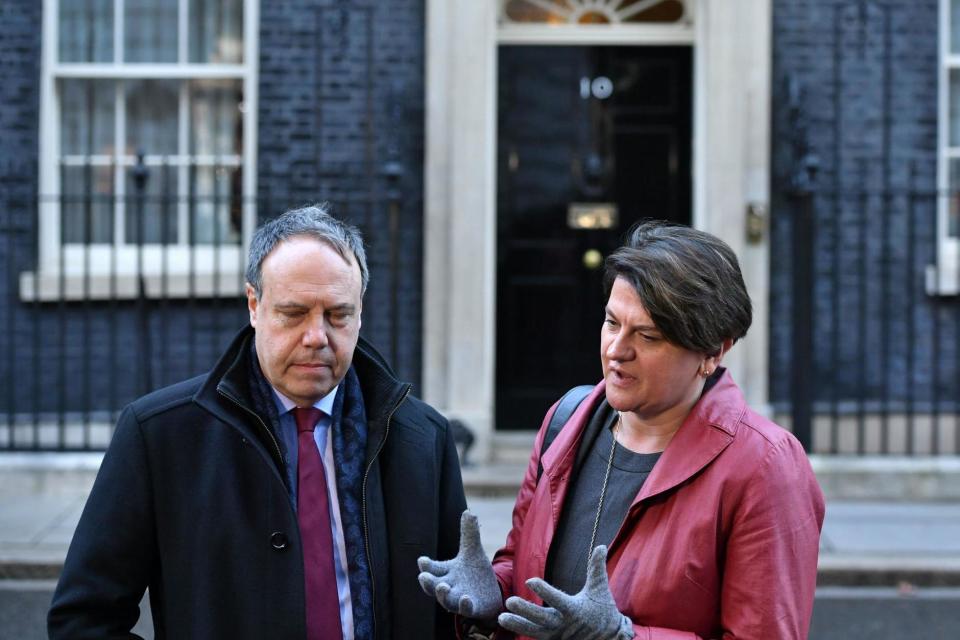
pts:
pixel 313 221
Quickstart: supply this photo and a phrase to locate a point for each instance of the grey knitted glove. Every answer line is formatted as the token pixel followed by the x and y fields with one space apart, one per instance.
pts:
pixel 591 614
pixel 466 584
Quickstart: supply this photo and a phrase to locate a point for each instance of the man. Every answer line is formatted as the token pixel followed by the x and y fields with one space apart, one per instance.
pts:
pixel 285 494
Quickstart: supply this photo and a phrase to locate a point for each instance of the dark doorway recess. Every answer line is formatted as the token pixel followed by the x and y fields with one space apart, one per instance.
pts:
pixel 590 140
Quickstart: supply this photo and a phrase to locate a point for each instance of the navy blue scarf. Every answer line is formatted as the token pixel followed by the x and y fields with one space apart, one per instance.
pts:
pixel 349 430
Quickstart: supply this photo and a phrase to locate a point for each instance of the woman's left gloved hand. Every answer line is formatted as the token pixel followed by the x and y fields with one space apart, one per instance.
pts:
pixel 590 614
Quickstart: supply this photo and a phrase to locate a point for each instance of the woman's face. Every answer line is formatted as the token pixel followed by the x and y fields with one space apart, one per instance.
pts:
pixel 645 373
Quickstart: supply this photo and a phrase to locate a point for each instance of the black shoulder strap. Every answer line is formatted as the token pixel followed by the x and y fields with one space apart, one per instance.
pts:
pixel 568 404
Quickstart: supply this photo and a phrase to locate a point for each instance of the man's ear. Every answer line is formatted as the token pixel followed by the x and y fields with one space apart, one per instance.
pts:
pixel 253 304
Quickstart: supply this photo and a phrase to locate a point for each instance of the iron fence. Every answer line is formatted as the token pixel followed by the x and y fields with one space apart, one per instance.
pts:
pixel 107 297
pixel 875 335
pixel 102 303
pixel 865 338
pixel 92 320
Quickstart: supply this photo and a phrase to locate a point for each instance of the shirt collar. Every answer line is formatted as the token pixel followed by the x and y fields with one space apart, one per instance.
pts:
pixel 325 404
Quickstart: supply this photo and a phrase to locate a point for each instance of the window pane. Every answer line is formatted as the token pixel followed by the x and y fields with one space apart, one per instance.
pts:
pixel 955 26
pixel 216 31
pixel 150 31
pixel 666 11
pixel 86 210
pixel 86 30
pixel 152 116
pixel 523 11
pixel 215 209
pixel 216 122
pixel 953 220
pixel 86 117
pixel 216 143
pixel 954 98
pixel 151 211
pixel 87 158
pixel 592 11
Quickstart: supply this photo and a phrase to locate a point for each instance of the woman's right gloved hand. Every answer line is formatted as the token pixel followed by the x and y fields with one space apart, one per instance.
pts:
pixel 466 584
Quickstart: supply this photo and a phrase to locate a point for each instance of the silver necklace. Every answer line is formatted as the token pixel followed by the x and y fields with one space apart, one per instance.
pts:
pixel 603 489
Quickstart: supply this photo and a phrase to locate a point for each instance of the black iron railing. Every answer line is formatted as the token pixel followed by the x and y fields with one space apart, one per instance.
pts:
pixel 875 326
pixel 865 330
pixel 108 297
pixel 874 318
pixel 105 299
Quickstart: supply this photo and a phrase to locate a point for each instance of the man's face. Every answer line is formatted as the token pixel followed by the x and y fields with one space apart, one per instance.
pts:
pixel 307 319
pixel 645 373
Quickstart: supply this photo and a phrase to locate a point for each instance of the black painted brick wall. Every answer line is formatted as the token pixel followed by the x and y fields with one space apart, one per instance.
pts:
pixel 19 85
pixel 75 361
pixel 341 95
pixel 869 73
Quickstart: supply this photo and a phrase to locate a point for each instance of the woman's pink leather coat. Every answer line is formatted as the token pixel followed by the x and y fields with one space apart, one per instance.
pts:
pixel 722 540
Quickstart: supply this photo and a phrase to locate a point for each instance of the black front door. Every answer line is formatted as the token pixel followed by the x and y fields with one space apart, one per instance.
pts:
pixel 590 140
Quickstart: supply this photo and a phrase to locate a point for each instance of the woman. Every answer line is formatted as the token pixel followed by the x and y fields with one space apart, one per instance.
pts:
pixel 711 512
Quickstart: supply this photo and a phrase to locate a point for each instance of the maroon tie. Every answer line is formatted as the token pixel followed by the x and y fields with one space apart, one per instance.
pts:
pixel 313 514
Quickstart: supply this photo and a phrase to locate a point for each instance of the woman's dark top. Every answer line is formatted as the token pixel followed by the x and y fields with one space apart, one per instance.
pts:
pixel 567 561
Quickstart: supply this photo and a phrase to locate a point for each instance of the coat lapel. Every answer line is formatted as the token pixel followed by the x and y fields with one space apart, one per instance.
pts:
pixel 708 429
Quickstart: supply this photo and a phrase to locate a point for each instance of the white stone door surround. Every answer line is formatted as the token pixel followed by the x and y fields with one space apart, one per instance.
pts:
pixel 732 62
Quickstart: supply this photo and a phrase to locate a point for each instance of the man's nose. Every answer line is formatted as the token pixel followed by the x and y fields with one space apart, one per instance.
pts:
pixel 315 336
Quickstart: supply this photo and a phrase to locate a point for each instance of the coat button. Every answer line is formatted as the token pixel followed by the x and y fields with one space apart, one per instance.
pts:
pixel 278 540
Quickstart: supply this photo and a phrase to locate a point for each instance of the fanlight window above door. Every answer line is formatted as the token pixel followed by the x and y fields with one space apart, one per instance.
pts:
pixel 593 11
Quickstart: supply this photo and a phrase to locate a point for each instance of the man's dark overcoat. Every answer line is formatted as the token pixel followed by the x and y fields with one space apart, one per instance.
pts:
pixel 190 502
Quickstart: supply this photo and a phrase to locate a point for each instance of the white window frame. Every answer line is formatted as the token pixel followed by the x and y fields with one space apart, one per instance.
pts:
pixel 943 278
pixel 101 271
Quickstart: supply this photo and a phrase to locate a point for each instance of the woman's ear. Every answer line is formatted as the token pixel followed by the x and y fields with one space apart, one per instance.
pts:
pixel 710 363
pixel 726 346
